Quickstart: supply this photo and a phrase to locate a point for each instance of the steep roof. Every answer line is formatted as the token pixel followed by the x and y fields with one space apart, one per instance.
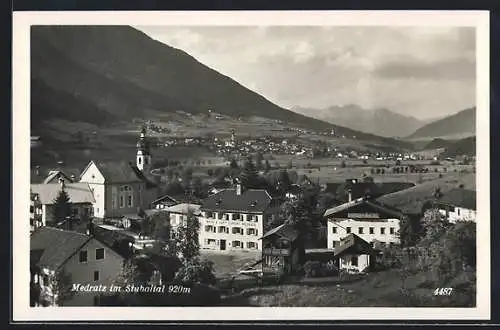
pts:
pixel 78 192
pixel 353 244
pixel 460 198
pixel 250 201
pixel 53 176
pixel 360 201
pixel 51 247
pixel 184 208
pixel 165 199
pixel 117 171
pixel 286 231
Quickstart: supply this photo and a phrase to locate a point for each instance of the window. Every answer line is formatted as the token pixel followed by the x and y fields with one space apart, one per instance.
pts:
pixel 334 230
pixel 227 217
pixel 210 229
pixel 458 211
pixel 209 215
pixel 391 230
pixel 31 209
pixel 251 231
pixel 83 256
pixel 382 231
pixel 348 230
pixel 96 275
pixel 235 216
pixel 354 261
pixel 219 216
pixel 372 230
pixel 251 245
pixel 334 243
pixel 125 196
pixel 360 230
pixel 140 160
pixel 223 229
pixel 238 230
pixel 99 254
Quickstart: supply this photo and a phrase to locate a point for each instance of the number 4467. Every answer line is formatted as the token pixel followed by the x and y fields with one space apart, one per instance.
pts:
pixel 443 291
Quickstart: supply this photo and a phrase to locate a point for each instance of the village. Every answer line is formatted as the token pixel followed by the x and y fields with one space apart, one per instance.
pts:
pixel 248 224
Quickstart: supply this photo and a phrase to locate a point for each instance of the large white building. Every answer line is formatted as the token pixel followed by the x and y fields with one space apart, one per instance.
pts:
pixel 365 218
pixel 233 219
pixel 121 187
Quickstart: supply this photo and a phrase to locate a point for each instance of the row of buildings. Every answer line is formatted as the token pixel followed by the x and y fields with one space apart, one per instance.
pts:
pixel 231 220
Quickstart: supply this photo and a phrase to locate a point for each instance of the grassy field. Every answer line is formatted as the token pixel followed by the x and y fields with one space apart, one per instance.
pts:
pixel 380 289
pixel 228 264
pixel 412 199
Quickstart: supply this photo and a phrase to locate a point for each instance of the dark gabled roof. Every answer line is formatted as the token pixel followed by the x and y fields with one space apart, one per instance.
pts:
pixel 353 244
pixel 460 197
pixel 285 230
pixel 117 171
pixel 250 201
pixel 166 198
pixel 57 246
pixel 384 208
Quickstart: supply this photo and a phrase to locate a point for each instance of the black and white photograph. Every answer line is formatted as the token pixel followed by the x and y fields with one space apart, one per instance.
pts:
pixel 190 161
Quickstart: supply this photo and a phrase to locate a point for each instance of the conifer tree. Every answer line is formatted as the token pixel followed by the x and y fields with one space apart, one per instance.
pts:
pixel 62 206
pixel 249 177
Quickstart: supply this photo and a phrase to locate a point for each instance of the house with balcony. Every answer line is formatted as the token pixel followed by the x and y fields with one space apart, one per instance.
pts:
pixel 281 251
pixel 366 218
pixel 233 219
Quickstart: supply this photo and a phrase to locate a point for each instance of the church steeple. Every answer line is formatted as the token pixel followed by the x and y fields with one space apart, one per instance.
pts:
pixel 143 160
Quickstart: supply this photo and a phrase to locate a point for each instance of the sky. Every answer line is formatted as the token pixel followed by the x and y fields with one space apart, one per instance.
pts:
pixel 424 72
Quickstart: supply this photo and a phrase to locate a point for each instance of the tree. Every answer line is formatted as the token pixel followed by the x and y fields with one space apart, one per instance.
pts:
pixel 368 179
pixel 283 181
pixel 258 161
pixel 249 177
pixel 196 271
pixel 267 166
pixel 62 206
pixel 187 237
pixel 343 164
pixel 210 172
pixel 233 164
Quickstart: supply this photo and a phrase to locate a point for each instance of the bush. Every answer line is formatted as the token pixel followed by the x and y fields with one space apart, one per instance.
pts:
pixel 312 268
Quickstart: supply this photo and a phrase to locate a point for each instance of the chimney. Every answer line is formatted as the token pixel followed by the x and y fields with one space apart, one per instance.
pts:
pixel 90 228
pixel 238 189
pixel 61 183
pixel 349 194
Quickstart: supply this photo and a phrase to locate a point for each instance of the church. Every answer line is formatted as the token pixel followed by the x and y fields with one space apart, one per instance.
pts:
pixel 121 187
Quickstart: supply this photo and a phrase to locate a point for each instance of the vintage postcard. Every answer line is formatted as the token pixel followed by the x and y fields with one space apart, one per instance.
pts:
pixel 251 166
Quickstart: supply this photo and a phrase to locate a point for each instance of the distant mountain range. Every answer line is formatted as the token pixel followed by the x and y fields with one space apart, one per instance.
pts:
pixel 459 125
pixel 107 74
pixel 381 122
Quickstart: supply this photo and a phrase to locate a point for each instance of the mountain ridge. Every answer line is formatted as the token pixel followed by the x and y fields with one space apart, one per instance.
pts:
pixel 460 123
pixel 106 74
pixel 379 121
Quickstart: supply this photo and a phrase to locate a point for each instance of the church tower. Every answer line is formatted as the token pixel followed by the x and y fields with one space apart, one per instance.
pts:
pixel 143 161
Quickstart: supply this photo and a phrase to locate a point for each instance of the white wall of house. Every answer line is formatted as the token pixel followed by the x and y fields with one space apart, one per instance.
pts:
pixel 83 272
pixel 96 182
pixel 459 214
pixel 354 263
pixel 238 231
pixel 382 230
